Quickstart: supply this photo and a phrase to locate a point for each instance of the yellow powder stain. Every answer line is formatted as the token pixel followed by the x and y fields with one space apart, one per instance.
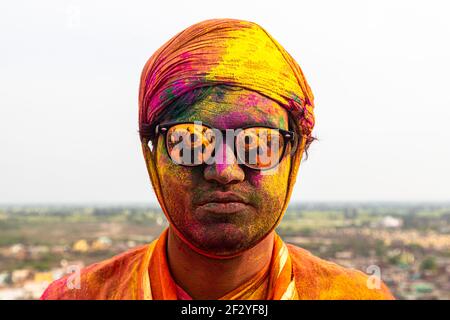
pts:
pixel 250 56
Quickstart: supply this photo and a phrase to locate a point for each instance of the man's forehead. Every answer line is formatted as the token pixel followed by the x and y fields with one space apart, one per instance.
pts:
pixel 233 109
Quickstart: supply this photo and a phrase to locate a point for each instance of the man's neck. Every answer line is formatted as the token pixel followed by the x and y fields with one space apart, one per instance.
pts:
pixel 195 273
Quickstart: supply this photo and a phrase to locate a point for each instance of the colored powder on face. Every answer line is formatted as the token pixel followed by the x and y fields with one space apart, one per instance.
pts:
pixel 236 53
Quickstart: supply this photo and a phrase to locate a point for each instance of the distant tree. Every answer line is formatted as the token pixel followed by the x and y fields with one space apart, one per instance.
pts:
pixel 428 264
pixel 380 248
pixel 394 260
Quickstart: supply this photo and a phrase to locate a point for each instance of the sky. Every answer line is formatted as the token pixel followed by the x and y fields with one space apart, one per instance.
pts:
pixel 69 77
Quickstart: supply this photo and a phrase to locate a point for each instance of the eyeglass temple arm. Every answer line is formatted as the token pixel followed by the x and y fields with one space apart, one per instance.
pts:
pixel 292 138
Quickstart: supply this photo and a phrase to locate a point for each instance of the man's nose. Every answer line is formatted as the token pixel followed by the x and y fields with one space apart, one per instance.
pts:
pixel 225 168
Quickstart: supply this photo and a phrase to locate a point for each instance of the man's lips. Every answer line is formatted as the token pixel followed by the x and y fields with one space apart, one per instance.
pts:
pixel 223 203
pixel 224 207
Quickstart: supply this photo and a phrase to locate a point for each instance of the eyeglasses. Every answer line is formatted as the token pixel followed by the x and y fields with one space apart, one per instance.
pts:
pixel 196 143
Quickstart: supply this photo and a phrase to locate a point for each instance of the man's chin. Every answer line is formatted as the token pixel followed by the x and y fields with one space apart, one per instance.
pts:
pixel 222 239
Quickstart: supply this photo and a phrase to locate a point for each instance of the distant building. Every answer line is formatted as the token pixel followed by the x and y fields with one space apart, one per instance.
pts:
pixel 57 273
pixel 58 249
pixel 36 251
pixel 81 246
pixel 102 243
pixel 16 248
pixel 34 290
pixel 391 222
pixel 20 275
pixel 17 251
pixel 12 294
pixel 43 277
pixel 132 244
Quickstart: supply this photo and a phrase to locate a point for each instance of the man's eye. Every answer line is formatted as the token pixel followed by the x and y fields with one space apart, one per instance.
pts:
pixel 193 140
pixel 174 138
pixel 208 136
pixel 250 142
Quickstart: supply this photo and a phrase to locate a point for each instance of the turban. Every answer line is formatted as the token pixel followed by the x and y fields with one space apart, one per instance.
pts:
pixel 230 52
pixel 224 52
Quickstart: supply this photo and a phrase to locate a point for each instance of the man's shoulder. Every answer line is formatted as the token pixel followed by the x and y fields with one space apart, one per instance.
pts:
pixel 99 280
pixel 320 279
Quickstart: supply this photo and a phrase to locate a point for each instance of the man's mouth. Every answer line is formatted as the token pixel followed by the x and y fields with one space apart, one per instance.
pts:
pixel 224 207
pixel 223 203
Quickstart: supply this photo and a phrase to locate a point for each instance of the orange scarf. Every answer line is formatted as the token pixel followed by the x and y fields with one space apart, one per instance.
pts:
pixel 275 283
pixel 143 274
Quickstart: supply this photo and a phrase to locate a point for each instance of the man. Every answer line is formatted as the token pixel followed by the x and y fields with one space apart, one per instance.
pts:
pixel 225 115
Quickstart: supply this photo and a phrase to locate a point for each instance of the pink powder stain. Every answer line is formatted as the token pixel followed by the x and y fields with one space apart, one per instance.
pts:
pixel 224 158
pixel 232 119
pixel 256 179
pixel 175 82
pixel 185 55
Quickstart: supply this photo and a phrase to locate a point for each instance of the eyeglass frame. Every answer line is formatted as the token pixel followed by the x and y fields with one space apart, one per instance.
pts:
pixel 162 129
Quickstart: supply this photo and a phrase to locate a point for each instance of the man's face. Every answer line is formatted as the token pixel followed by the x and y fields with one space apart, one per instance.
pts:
pixel 191 193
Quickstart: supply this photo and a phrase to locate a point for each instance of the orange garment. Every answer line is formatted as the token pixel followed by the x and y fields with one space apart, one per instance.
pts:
pixel 143 273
